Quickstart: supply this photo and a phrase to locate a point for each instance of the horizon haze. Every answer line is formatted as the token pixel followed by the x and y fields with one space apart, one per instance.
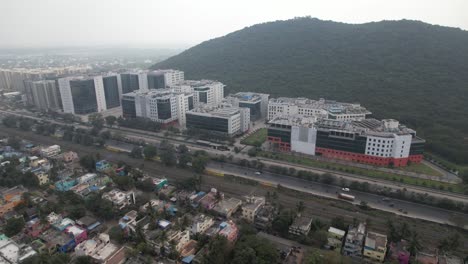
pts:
pixel 180 24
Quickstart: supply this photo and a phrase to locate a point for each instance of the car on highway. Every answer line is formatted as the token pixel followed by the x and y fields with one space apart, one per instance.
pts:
pixel 345 189
pixel 386 199
pixel 258 173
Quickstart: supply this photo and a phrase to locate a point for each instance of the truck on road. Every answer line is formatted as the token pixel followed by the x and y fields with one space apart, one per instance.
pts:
pixel 345 196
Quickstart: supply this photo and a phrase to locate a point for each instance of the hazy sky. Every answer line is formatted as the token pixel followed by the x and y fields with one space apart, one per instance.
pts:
pixel 182 23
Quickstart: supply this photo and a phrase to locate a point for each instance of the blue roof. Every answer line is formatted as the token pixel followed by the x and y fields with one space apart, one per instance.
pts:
pixel 188 259
pixel 91 227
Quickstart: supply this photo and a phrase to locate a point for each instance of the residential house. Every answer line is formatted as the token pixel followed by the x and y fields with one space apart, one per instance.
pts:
pixel 57 241
pixel 78 233
pixel 209 200
pixel 69 156
pixel 300 226
pixel 264 217
pixel 201 223
pixel 354 240
pixel 227 207
pixel 89 223
pixel 42 177
pixel 128 220
pixel 50 151
pixel 10 198
pixel 119 198
pixel 229 230
pixel 251 206
pixel 101 250
pixel 103 166
pixel 63 224
pixel 335 238
pixel 12 253
pixel 35 227
pixel 375 246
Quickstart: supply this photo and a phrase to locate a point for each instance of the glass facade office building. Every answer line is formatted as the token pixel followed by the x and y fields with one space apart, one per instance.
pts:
pixel 84 96
pixel 156 81
pixel 111 91
pixel 164 109
pixel 128 107
pixel 129 82
pixel 211 123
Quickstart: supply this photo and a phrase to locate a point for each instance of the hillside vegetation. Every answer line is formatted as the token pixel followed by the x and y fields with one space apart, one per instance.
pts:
pixel 408 70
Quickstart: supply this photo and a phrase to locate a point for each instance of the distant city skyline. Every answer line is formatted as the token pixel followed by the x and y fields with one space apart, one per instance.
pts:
pixel 179 24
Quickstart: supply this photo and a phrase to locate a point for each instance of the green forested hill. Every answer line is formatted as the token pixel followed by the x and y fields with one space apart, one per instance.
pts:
pixel 408 70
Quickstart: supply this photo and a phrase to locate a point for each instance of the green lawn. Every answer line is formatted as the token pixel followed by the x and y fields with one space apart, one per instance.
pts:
pixel 421 168
pixel 458 188
pixel 257 138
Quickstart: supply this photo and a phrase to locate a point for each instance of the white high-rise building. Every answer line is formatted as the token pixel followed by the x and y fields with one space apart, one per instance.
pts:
pixel 164 78
pixel 82 95
pixel 160 105
pixel 44 95
pixel 206 92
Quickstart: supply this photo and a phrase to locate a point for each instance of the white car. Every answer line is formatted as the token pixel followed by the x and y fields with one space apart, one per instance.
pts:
pixel 257 173
pixel 345 189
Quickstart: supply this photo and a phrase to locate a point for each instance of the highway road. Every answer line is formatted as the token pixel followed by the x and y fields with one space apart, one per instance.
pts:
pixel 330 191
pixel 399 207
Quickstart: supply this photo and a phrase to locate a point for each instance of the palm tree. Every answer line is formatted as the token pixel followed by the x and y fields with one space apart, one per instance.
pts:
pixel 414 244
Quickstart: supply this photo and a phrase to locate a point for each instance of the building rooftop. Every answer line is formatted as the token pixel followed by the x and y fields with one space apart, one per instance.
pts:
pixel 371 126
pixel 375 241
pixel 248 96
pixel 336 231
pixel 332 107
pixel 294 120
pixel 11 252
pixel 221 111
pixel 227 205
pixel 302 221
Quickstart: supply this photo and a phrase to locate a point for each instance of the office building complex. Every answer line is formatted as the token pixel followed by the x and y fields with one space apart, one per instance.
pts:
pixel 225 119
pixel 112 89
pixel 256 102
pixel 322 108
pixel 164 78
pixel 134 80
pixel 13 79
pixel 206 92
pixel 82 95
pixel 382 143
pixel 44 95
pixel 160 105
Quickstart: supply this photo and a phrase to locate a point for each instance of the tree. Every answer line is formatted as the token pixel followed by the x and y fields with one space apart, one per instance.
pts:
pixel 116 233
pixel 96 120
pixel 10 121
pixel 338 222
pixel 111 120
pixel 182 149
pixel 218 251
pixel 414 244
pixel 14 142
pixel 83 260
pixel 199 163
pixel 184 159
pixel 123 182
pixel 282 222
pixel 88 162
pixel 149 151
pixel 13 226
pixel 320 237
pixel 252 152
pixel 252 249
pixel 136 153
pixel 25 124
pixel 167 154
